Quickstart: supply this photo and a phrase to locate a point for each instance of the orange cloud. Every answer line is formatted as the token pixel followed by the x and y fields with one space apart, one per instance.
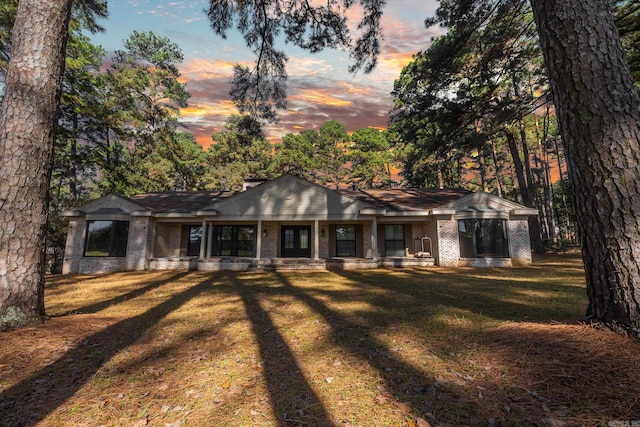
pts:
pixel 315 96
pixel 207 69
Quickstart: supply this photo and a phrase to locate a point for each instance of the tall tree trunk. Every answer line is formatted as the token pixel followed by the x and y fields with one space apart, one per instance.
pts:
pixel 565 205
pixel 483 169
pixel 599 115
pixel 494 154
pixel 27 124
pixel 527 199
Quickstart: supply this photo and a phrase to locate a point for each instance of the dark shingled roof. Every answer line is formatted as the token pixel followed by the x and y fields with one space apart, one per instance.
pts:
pixel 406 199
pixel 393 200
pixel 179 201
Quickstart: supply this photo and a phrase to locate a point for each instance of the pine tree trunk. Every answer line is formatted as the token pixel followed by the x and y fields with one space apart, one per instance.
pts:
pixel 527 199
pixel 27 124
pixel 599 115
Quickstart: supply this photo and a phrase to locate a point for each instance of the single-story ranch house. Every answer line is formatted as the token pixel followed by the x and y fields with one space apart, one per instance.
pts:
pixel 292 223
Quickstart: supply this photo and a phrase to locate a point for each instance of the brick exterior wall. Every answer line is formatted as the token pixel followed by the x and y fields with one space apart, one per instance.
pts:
pixel 418 231
pixel 519 242
pixel 366 240
pixel 448 253
pixel 168 238
pixel 153 245
pixel 270 243
pixel 173 264
pixel 93 265
pixel 138 246
pixel 74 248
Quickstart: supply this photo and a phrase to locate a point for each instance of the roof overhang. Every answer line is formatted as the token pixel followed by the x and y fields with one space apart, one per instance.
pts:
pixel 422 212
pixel 108 217
pixel 372 211
pixel 142 213
pixel 524 212
pixel 72 213
pixel 442 212
pixel 175 215
pixel 208 213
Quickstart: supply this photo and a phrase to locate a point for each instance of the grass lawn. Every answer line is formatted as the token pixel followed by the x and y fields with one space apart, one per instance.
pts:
pixel 400 347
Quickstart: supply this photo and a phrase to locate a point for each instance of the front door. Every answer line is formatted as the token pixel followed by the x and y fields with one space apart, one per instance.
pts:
pixel 296 241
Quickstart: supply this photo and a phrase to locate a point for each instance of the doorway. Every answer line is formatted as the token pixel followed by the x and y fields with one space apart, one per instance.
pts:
pixel 296 241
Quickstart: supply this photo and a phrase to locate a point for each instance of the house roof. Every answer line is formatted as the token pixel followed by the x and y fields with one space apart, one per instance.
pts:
pixel 406 199
pixel 393 200
pixel 290 197
pixel 180 201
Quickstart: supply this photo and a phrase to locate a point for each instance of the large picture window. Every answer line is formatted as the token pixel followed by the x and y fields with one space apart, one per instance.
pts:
pixel 483 238
pixel 346 240
pixel 394 244
pixel 232 240
pixel 106 238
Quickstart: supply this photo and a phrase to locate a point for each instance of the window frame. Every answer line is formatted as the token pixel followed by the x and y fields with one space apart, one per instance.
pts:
pixel 118 239
pixel 480 240
pixel 349 245
pixel 391 248
pixel 226 242
pixel 193 244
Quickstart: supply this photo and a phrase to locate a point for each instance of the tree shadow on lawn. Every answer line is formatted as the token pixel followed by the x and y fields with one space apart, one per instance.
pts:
pixel 491 296
pixel 102 305
pixel 292 399
pixel 403 383
pixel 31 400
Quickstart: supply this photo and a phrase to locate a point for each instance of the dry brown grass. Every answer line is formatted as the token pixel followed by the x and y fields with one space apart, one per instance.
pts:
pixel 399 347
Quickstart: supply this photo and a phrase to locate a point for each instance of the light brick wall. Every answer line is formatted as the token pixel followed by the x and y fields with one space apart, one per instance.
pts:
pixel 137 247
pixel 485 262
pixel 519 243
pixel 94 265
pixel 366 240
pixel 323 242
pixel 173 264
pixel 448 252
pixel 270 243
pixel 418 231
pixel 74 248
pixel 168 238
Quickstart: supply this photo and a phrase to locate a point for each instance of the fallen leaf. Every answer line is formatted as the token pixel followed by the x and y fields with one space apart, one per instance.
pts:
pixel 404 407
pixel 382 399
pixel 226 385
pixel 423 423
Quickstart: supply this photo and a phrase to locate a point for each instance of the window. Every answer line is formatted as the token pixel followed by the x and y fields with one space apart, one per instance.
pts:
pixel 394 240
pixel 107 238
pixel 483 238
pixel 195 237
pixel 232 240
pixel 346 240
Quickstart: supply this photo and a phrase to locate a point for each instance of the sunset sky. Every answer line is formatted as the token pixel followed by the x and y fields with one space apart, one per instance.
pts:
pixel 320 88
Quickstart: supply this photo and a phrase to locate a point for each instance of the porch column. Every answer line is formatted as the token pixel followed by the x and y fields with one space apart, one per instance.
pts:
pixel 259 240
pixel 316 240
pixel 374 239
pixel 209 240
pixel 203 239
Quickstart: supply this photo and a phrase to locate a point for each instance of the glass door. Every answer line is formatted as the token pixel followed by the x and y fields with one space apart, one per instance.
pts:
pixel 296 241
